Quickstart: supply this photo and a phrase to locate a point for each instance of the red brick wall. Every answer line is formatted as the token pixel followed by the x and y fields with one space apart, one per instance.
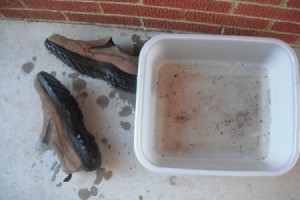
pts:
pixel 266 18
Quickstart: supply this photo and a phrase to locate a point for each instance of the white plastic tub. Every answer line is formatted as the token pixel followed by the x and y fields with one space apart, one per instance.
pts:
pixel 217 105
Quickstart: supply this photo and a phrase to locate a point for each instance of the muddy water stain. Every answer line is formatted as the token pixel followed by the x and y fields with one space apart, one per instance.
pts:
pixel 102 173
pixel 172 180
pixel 104 140
pixel 125 125
pixel 102 101
pixel 56 170
pixel 85 193
pixel 126 111
pixel 53 165
pixel 138 44
pixel 79 84
pixel 27 67
pixel 112 94
pixel 73 75
pixel 83 94
pixel 59 184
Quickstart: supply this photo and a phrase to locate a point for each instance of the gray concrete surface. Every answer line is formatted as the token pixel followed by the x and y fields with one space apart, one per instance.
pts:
pixel 31 171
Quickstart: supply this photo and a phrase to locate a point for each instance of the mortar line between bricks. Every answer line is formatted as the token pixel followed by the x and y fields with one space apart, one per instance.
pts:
pixel 183 14
pixel 141 4
pixel 66 17
pixel 22 3
pixel 200 11
pixel 234 5
pixel 222 30
pixel 141 22
pixel 99 7
pixel 270 5
pixel 270 25
pixel 283 2
pixel 168 19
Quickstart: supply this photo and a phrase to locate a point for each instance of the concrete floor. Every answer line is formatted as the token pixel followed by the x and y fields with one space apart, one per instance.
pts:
pixel 31 171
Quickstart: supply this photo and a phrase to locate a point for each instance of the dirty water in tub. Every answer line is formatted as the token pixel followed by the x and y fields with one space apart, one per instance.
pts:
pixel 215 111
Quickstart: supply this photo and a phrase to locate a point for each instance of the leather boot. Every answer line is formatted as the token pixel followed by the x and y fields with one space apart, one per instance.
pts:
pixel 98 59
pixel 63 128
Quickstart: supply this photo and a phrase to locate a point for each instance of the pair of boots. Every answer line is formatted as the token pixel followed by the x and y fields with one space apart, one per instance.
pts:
pixel 63 128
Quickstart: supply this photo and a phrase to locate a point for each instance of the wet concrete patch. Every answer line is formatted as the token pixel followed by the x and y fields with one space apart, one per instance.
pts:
pixel 138 44
pixel 53 165
pixel 83 94
pixel 102 101
pixel 34 58
pixel 140 197
pixel 27 67
pixel 125 125
pixel 79 84
pixel 85 193
pixel 53 73
pixel 126 111
pixel 112 94
pixel 59 184
pixel 127 97
pixel 63 73
pixel 41 147
pixel 56 170
pixel 73 75
pixel 123 34
pixel 104 141
pixel 102 173
pixel 172 180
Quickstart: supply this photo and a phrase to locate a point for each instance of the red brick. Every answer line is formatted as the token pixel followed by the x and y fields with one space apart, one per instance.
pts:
pixel 181 26
pixel 207 5
pixel 268 12
pixel 62 5
pixel 273 2
pixel 286 27
pixel 227 20
pixel 285 37
pixel 293 3
pixel 29 14
pixel 144 11
pixel 10 4
pixel 103 19
pixel 131 1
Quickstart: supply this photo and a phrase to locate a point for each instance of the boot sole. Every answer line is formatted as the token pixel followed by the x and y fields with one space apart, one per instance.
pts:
pixel 96 69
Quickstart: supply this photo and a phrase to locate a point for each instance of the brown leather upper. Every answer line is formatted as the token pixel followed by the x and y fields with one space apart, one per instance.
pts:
pixel 113 54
